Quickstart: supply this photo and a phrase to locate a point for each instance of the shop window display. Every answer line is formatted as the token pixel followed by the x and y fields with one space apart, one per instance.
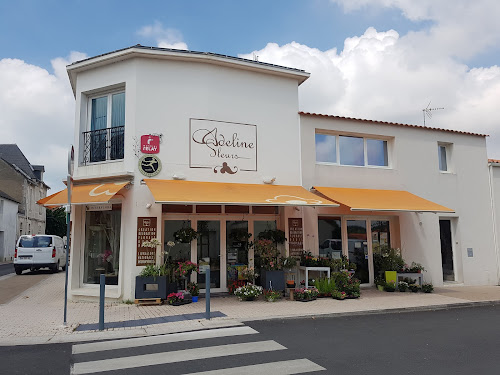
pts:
pixel 102 246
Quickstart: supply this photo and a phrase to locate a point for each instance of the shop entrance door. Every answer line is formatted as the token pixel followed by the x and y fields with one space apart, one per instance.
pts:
pixel 237 237
pixel 208 250
pixel 357 249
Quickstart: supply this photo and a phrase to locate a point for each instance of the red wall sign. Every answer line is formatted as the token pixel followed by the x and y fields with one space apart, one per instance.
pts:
pixel 150 144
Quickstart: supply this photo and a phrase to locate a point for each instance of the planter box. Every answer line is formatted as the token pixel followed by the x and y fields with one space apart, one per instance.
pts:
pixel 274 279
pixel 151 287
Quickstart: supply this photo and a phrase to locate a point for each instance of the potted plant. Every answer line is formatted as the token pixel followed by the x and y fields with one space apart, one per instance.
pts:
pixel 289 263
pixel 403 286
pixel 390 286
pixel 248 292
pixel 272 276
pixel 194 289
pixel 338 295
pixel 344 282
pixel 380 283
pixel 176 299
pixel 248 274
pixel 305 295
pixel 427 288
pixel 185 235
pixel 414 287
pixel 325 287
pixel 274 235
pixel 272 295
pixel 151 283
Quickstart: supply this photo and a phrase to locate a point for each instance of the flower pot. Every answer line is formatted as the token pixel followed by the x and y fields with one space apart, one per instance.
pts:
pixel 380 287
pixel 194 298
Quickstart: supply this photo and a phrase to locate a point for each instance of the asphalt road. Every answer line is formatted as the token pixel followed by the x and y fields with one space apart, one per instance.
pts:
pixel 455 341
pixel 6 269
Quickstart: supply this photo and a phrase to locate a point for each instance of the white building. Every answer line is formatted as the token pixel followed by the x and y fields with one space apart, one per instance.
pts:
pixel 236 156
pixel 8 226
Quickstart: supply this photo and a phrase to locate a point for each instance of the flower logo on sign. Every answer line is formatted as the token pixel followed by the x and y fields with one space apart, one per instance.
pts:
pixel 291 199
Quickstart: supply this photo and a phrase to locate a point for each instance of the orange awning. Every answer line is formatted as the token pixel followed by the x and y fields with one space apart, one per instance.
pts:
pixel 194 192
pixel 380 200
pixel 84 194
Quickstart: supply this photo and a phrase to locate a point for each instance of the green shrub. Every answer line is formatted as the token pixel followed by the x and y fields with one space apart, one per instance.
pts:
pixel 325 286
pixel 427 288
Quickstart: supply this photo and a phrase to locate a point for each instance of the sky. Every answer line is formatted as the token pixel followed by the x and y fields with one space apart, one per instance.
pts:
pixel 374 59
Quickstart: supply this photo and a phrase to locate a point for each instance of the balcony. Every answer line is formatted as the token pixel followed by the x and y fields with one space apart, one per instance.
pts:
pixel 104 144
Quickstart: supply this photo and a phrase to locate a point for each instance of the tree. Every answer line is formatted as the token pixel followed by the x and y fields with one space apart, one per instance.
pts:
pixel 56 222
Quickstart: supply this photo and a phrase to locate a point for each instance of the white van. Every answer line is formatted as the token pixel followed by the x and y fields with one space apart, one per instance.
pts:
pixel 39 251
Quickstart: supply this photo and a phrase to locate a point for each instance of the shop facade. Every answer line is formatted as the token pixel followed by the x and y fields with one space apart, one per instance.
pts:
pixel 169 140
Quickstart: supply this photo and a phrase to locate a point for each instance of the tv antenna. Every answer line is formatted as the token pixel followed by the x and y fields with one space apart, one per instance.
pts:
pixel 428 111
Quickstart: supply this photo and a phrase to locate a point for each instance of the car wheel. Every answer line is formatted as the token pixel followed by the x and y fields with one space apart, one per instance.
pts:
pixel 18 270
pixel 63 268
pixel 55 268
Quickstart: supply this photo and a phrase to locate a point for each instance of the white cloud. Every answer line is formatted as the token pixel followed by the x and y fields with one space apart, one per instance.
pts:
pixel 388 77
pixel 37 110
pixel 165 37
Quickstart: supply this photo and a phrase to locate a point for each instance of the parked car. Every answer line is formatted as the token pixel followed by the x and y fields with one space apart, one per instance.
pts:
pixel 39 251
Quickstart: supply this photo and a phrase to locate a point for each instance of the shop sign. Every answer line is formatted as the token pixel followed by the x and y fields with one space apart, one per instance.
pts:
pixel 295 237
pixel 100 207
pixel 225 147
pixel 146 231
pixel 150 144
pixel 149 165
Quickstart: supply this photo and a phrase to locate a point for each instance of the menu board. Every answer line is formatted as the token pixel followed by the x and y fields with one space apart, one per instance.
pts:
pixel 295 236
pixel 146 231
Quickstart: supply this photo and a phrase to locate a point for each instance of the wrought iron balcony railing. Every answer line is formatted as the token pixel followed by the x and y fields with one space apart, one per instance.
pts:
pixel 104 144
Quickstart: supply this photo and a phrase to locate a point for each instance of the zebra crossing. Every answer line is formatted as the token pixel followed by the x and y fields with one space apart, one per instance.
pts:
pixel 233 350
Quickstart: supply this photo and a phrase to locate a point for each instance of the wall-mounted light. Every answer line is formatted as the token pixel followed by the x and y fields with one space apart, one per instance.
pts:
pixel 178 176
pixel 268 179
pixel 148 205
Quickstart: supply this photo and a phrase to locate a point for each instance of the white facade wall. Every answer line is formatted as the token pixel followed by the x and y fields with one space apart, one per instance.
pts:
pixel 161 97
pixel 494 169
pixel 8 229
pixel 413 166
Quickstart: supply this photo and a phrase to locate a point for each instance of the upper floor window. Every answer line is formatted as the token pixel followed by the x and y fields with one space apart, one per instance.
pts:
pixel 105 138
pixel 444 157
pixel 349 150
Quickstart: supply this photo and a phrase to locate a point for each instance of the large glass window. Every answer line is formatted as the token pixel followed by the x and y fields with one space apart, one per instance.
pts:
pixel 330 238
pixel 326 148
pixel 351 151
pixel 102 246
pixel 381 238
pixel 180 252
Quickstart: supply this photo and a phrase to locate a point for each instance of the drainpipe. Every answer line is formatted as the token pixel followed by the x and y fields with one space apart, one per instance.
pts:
pixel 494 219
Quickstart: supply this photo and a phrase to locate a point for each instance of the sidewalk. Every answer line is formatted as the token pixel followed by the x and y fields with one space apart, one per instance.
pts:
pixel 36 315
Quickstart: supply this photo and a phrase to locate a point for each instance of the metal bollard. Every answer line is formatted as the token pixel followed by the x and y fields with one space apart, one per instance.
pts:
pixel 207 293
pixel 102 284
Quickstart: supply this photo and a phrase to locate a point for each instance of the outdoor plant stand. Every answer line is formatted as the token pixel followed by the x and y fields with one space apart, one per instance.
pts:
pixel 307 269
pixel 414 275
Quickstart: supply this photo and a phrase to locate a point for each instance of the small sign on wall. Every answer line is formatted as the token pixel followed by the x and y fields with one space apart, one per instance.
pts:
pixel 295 236
pixel 146 231
pixel 470 252
pixel 150 144
pixel 100 207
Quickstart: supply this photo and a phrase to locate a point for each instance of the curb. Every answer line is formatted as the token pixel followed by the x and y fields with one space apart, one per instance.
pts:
pixel 200 325
pixel 396 310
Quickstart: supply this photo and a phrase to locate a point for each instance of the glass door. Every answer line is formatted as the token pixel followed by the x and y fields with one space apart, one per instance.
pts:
pixel 357 248
pixel 237 237
pixel 209 245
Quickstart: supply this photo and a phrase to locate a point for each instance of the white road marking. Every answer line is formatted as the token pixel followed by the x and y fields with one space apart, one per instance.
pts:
pixel 295 366
pixel 174 356
pixel 162 339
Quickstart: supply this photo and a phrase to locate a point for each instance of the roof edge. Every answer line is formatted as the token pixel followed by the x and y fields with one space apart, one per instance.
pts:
pixel 392 123
pixel 186 55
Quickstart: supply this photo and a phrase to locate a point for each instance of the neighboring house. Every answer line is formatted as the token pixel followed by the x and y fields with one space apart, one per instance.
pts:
pixel 8 226
pixel 167 140
pixel 24 183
